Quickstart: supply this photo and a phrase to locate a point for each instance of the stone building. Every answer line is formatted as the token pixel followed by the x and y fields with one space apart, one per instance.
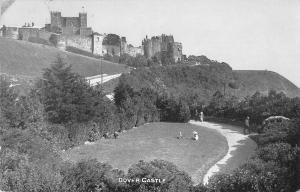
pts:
pixel 97 40
pixel 177 51
pixel 134 51
pixel 25 33
pixel 163 43
pixel 69 25
pixel 123 45
pixel 10 32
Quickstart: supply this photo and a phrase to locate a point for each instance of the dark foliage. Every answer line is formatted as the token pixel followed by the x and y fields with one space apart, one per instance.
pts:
pixel 112 39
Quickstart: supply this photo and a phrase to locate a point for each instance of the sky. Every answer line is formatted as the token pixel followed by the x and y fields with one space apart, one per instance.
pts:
pixel 247 34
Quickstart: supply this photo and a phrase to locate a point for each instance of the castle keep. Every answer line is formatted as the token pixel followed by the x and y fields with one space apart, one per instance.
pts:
pixel 163 43
pixel 69 25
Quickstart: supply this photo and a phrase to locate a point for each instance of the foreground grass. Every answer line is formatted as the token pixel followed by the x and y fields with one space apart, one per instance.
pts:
pixel 158 141
pixel 29 59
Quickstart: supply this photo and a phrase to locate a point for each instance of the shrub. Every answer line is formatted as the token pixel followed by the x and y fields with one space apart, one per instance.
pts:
pixel 172 179
pixel 282 153
pixel 91 175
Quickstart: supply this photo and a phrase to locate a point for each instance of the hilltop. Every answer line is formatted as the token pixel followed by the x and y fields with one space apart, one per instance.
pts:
pixel 251 81
pixel 29 59
pixel 202 81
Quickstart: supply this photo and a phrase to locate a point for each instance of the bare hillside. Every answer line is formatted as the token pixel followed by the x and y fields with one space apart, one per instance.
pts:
pixel 24 58
pixel 257 80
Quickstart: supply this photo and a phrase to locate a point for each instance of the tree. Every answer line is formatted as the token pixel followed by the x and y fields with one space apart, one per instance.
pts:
pixel 112 39
pixel 66 96
pixel 184 112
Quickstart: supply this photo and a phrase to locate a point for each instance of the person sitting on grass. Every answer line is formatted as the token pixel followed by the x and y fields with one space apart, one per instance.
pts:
pixel 180 135
pixel 105 135
pixel 195 136
pixel 247 125
pixel 116 135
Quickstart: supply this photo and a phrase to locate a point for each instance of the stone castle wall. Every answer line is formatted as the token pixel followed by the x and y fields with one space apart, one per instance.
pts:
pixel 134 51
pixel 112 50
pixel 84 43
pixel 25 33
pixel 10 32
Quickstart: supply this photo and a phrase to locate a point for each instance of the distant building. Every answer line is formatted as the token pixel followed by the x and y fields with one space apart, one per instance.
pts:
pixel 69 25
pixel 97 47
pixel 10 32
pixel 163 43
pixel 134 51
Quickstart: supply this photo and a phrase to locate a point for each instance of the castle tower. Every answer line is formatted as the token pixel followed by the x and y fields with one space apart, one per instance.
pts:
pixel 97 40
pixel 83 19
pixel 56 19
pixel 147 46
pixel 123 45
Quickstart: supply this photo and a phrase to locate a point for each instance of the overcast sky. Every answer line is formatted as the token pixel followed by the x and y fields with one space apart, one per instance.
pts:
pixel 247 34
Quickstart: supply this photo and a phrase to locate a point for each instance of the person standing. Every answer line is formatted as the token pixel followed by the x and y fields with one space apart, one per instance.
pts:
pixel 247 125
pixel 196 115
pixel 201 116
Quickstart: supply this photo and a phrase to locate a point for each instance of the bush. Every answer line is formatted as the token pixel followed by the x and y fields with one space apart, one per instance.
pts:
pixel 172 179
pixel 91 175
pixel 282 153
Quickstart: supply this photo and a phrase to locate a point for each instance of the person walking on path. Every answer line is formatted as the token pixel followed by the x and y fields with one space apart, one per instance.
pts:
pixel 201 116
pixel 247 125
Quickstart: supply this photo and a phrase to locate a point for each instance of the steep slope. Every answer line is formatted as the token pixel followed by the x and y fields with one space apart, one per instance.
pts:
pixel 28 59
pixel 251 81
pixel 202 81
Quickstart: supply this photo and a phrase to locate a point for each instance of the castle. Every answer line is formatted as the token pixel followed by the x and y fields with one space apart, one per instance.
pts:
pixel 160 44
pixel 69 25
pixel 64 32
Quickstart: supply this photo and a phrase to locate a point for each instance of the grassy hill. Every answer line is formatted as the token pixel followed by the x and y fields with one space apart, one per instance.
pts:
pixel 29 59
pixel 251 81
pixel 202 81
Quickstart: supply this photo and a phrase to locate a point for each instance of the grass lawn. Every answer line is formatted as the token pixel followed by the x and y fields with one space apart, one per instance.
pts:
pixel 29 59
pixel 158 141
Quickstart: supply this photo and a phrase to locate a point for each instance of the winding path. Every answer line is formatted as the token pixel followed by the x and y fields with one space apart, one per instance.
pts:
pixel 240 148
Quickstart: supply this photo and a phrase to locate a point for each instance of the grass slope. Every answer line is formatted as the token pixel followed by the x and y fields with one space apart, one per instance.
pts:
pixel 254 80
pixel 205 80
pixel 158 141
pixel 29 59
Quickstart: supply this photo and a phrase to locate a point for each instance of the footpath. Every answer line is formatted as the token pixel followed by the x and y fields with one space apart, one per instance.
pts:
pixel 240 148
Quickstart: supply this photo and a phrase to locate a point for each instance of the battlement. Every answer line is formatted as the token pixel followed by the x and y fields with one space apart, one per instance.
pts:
pixel 69 25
